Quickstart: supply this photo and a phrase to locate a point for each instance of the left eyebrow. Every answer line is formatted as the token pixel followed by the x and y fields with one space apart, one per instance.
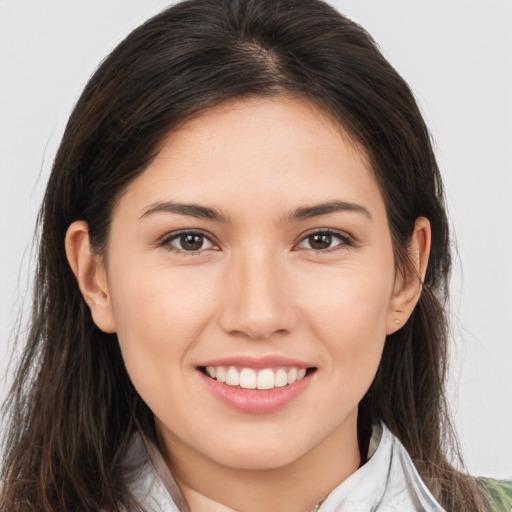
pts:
pixel 307 212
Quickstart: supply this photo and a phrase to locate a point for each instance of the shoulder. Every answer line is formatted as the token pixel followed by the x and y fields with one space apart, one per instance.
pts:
pixel 498 493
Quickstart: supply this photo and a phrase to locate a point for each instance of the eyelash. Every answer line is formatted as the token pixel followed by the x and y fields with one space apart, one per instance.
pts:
pixel 167 242
pixel 345 241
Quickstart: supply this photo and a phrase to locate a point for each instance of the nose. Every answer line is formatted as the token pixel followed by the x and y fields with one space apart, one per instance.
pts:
pixel 257 300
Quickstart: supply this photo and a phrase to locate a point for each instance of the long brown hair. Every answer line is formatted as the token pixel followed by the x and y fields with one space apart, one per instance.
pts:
pixel 72 409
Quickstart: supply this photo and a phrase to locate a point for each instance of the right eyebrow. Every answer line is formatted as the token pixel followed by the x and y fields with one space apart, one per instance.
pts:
pixel 188 209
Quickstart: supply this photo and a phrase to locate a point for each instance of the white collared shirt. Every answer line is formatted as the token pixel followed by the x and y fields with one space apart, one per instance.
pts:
pixel 387 482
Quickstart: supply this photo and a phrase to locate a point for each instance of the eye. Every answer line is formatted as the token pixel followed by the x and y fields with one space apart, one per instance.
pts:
pixel 188 241
pixel 325 240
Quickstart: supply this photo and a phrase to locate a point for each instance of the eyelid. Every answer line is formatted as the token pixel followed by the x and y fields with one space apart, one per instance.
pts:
pixel 347 241
pixel 165 240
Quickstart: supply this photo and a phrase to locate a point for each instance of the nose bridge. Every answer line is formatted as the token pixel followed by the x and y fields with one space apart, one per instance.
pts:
pixel 257 303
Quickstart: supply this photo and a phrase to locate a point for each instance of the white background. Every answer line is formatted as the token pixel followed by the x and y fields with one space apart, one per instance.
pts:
pixel 457 57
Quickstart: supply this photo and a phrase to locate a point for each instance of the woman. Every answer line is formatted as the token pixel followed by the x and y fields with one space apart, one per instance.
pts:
pixel 243 265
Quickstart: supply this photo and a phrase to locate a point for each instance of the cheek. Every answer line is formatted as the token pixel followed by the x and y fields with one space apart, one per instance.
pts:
pixel 349 316
pixel 159 316
pixel 158 306
pixel 350 301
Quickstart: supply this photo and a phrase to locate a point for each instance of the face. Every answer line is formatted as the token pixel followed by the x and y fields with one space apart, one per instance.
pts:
pixel 254 252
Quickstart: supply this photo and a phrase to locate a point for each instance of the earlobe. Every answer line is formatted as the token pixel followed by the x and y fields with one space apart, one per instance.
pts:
pixel 409 284
pixel 89 271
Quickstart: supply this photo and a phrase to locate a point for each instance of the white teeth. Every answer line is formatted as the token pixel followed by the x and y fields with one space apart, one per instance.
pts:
pixel 249 378
pixel 220 373
pixel 266 379
pixel 281 378
pixel 232 377
pixel 292 375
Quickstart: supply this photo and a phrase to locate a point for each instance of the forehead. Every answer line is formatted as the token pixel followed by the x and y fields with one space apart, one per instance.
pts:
pixel 280 150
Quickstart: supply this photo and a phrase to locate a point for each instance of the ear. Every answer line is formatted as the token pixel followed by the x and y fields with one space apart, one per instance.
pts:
pixel 89 271
pixel 409 283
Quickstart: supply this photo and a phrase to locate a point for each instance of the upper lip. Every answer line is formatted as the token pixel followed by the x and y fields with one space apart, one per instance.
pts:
pixel 268 361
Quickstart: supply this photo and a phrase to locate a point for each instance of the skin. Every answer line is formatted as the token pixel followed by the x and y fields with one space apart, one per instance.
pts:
pixel 256 287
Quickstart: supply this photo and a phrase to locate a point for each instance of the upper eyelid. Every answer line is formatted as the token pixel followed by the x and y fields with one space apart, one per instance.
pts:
pixel 171 235
pixel 331 231
pixel 347 241
pixel 179 232
pixel 166 240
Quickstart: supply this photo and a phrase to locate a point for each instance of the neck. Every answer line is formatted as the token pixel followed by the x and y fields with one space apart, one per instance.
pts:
pixel 295 487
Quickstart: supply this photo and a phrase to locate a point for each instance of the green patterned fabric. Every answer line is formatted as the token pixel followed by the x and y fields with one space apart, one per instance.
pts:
pixel 499 494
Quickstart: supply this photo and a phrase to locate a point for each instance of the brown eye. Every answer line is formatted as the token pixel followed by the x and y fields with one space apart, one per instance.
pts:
pixel 191 242
pixel 325 240
pixel 188 241
pixel 320 241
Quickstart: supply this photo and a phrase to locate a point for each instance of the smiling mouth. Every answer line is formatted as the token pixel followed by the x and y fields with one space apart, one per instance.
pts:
pixel 249 378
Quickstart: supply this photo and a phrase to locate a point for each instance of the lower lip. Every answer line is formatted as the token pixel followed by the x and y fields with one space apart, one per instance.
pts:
pixel 256 401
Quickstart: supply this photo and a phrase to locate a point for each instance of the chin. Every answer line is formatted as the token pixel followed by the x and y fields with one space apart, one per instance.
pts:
pixel 258 459
pixel 260 451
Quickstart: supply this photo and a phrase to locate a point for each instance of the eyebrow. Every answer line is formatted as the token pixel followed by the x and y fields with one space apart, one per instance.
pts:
pixel 307 212
pixel 301 213
pixel 191 210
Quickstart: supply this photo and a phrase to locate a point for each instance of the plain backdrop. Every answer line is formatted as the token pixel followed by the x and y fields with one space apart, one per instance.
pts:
pixel 456 56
